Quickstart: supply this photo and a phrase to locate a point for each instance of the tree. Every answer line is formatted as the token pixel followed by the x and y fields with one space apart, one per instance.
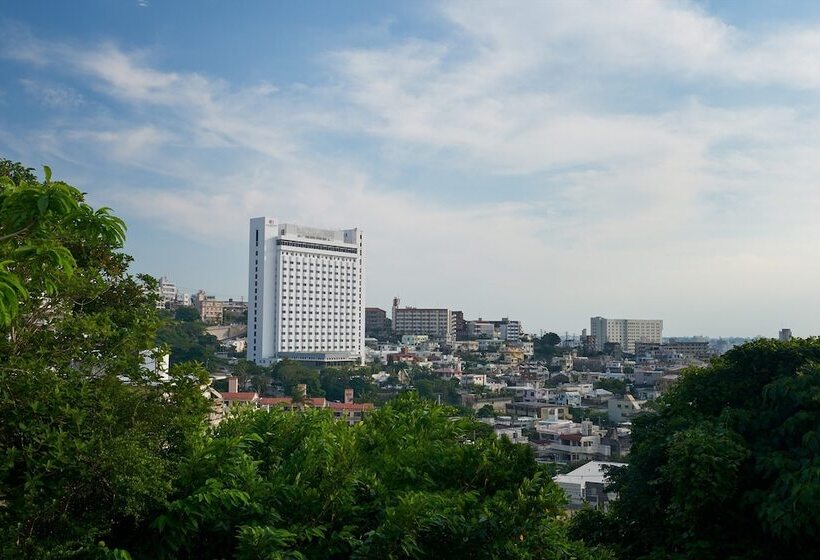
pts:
pixel 187 341
pixel 186 314
pixel 409 482
pixel 546 346
pixel 89 439
pixel 727 465
pixel 616 386
pixel 290 374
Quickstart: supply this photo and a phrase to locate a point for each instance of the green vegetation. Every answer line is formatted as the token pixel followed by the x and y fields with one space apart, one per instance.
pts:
pixel 187 340
pixel 546 346
pixel 616 386
pixel 728 466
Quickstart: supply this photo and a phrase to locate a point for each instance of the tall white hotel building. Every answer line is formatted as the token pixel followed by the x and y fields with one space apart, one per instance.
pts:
pixel 305 294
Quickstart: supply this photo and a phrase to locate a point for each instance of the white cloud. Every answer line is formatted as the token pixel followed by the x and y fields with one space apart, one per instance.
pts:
pixel 687 204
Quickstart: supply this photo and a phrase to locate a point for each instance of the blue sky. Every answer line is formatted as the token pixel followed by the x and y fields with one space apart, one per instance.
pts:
pixel 546 161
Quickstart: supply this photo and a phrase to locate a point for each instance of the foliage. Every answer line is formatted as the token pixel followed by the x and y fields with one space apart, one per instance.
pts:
pixel 187 341
pixel 546 346
pixel 616 386
pixel 728 465
pixel 186 314
pixel 334 381
pixel 89 439
pixel 409 482
pixel 290 373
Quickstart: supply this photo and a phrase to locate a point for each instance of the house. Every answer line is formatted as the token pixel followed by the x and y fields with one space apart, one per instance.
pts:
pixel 587 485
pixel 623 408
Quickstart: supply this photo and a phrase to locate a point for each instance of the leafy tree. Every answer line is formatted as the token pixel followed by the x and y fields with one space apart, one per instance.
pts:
pixel 616 386
pixel 290 373
pixel 409 482
pixel 89 439
pixel 727 467
pixel 545 347
pixel 186 314
pixel 188 341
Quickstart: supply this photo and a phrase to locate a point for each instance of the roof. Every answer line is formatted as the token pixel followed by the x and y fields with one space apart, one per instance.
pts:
pixel 241 397
pixel 589 472
pixel 275 400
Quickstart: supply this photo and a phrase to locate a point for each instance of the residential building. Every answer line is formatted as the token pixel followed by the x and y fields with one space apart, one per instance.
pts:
pixel 625 332
pixel 587 485
pixel 622 409
pixel 376 324
pixel 565 441
pixel 167 293
pixel 504 329
pixel 210 309
pixel 437 323
pixel 305 294
pixel 785 335
pixel 690 349
pixel 461 325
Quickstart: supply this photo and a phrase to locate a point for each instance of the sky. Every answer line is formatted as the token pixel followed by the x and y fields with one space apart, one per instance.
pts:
pixel 542 161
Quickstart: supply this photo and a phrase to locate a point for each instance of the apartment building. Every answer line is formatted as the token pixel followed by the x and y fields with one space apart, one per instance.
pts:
pixel 437 323
pixel 305 294
pixel 625 332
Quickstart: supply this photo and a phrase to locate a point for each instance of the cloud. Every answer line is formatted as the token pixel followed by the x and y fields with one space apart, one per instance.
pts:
pixel 547 161
pixel 53 96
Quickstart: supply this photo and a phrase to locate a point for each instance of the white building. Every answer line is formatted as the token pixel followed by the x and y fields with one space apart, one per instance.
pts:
pixel 305 294
pixel 167 292
pixel 587 484
pixel 625 332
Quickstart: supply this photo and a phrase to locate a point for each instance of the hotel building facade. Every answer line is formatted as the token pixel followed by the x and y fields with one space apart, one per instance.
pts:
pixel 305 294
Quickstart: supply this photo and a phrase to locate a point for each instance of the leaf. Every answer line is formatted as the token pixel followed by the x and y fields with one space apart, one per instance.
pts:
pixel 47 172
pixel 42 204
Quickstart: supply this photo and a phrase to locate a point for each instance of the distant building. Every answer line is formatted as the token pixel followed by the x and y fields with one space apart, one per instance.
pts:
pixel 587 485
pixel 785 335
pixel 376 324
pixel 625 332
pixel 210 309
pixel 167 293
pixel 692 349
pixel 504 329
pixel 305 294
pixel 437 323
pixel 461 325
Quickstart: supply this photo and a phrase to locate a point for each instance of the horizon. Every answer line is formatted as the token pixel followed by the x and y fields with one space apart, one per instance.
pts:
pixel 548 164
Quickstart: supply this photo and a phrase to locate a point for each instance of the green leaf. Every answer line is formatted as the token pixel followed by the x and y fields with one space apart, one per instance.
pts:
pixel 47 172
pixel 42 204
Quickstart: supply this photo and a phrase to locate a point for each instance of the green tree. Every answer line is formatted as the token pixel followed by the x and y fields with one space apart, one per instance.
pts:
pixel 616 386
pixel 89 439
pixel 727 465
pixel 186 314
pixel 187 341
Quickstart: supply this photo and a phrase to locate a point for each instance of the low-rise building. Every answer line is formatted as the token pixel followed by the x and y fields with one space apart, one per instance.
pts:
pixel 587 485
pixel 622 409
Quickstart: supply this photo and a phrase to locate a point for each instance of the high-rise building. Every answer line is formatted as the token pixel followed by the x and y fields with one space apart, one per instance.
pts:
pixel 305 294
pixel 437 323
pixel 785 335
pixel 625 332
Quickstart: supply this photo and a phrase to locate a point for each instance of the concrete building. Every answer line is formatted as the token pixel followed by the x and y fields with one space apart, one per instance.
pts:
pixel 587 484
pixel 625 332
pixel 210 309
pixel 305 294
pixel 692 349
pixel 376 324
pixel 623 409
pixel 437 323
pixel 509 331
pixel 167 293
pixel 785 335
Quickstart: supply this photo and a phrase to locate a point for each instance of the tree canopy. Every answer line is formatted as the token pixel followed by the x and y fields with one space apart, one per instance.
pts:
pixel 728 465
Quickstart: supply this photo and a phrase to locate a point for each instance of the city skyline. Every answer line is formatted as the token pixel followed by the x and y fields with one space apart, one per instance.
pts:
pixel 550 163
